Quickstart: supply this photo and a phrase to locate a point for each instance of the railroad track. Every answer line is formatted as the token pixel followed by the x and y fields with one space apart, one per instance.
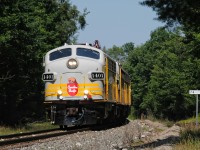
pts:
pixel 14 139
pixel 17 140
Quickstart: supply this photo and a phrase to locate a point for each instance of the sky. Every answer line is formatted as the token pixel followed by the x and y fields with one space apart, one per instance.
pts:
pixel 116 22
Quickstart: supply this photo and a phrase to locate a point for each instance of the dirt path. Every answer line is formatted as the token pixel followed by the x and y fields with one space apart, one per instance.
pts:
pixel 158 136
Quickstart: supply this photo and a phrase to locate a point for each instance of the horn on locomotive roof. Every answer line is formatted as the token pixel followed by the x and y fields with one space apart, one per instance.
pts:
pixel 96 44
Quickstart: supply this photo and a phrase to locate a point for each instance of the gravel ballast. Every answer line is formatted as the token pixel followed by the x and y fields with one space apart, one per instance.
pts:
pixel 137 134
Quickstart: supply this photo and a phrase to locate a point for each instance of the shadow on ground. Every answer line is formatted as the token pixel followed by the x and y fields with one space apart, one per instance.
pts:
pixel 159 142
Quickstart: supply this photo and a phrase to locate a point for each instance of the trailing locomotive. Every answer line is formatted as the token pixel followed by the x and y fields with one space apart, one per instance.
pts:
pixel 84 86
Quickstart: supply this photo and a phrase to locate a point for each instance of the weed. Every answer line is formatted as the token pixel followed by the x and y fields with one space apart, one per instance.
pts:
pixel 190 139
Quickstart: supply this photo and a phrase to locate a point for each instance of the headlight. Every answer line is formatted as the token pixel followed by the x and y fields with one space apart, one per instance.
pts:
pixel 86 92
pixel 59 92
pixel 72 64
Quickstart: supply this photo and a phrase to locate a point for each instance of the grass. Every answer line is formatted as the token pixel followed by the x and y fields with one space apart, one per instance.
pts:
pixel 188 123
pixel 189 136
pixel 131 115
pixel 31 127
pixel 190 139
pixel 188 145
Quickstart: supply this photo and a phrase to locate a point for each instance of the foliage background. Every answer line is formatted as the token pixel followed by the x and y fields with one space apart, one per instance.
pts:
pixel 28 30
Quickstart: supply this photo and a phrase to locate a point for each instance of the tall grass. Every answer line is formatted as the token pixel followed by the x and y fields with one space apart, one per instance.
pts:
pixel 190 144
pixel 189 136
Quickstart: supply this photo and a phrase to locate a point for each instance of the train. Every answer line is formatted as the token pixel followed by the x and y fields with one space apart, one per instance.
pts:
pixel 84 86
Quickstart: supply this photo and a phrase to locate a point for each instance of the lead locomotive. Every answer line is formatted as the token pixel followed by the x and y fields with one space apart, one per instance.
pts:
pixel 83 86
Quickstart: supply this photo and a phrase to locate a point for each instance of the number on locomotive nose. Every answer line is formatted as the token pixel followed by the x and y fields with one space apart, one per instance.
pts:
pixel 48 76
pixel 97 75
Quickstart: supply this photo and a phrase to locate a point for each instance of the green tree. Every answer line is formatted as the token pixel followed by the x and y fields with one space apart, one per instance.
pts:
pixel 184 12
pixel 140 64
pixel 162 71
pixel 182 59
pixel 168 88
pixel 120 53
pixel 127 48
pixel 116 53
pixel 28 30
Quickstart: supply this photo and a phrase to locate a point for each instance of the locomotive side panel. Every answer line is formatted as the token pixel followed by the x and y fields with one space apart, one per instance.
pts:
pixel 118 89
pixel 125 88
pixel 110 81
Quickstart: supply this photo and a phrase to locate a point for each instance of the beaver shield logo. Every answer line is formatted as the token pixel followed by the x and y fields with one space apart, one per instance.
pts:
pixel 72 86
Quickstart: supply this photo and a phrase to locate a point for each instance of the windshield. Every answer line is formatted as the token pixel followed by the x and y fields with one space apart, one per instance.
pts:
pixel 60 54
pixel 88 53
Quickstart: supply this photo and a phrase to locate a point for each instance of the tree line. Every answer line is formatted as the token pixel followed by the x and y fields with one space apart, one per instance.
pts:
pixel 162 70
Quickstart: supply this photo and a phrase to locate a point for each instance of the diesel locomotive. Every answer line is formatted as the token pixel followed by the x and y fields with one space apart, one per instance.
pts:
pixel 84 86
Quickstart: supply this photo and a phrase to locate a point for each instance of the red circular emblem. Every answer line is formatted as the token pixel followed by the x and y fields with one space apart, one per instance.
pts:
pixel 72 89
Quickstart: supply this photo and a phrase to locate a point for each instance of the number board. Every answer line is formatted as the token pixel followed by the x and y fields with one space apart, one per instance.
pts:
pixel 97 76
pixel 48 77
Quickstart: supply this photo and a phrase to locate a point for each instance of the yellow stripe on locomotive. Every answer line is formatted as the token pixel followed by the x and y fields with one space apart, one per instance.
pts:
pixel 93 89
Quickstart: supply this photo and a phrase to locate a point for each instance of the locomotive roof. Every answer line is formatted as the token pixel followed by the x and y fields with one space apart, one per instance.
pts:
pixel 86 45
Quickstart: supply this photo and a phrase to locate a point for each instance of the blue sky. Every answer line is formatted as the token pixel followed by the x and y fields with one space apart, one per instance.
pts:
pixel 116 22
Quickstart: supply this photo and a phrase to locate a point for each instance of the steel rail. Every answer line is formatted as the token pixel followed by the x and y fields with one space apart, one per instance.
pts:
pixel 37 136
pixel 26 133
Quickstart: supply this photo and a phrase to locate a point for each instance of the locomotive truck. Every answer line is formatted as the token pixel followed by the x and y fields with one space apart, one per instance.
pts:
pixel 84 86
